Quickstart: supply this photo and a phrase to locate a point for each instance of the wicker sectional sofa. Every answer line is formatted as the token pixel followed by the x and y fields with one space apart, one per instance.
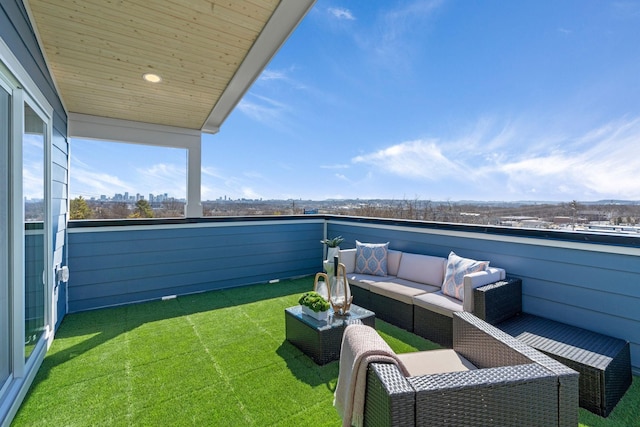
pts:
pixel 510 384
pixel 410 295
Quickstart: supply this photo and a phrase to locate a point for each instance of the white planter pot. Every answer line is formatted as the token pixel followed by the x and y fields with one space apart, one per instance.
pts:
pixel 332 252
pixel 321 315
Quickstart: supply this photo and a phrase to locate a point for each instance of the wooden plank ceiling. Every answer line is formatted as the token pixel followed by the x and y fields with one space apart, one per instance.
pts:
pixel 98 51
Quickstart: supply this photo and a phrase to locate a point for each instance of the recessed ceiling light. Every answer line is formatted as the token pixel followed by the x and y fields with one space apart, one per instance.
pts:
pixel 152 78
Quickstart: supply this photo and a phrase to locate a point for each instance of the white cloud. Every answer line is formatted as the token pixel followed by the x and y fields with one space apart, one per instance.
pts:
pixel 399 32
pixel 262 109
pixel 514 161
pixel 341 13
pixel 601 163
pixel 33 182
pixel 249 193
pixel 272 75
pixel 211 171
pixel 90 183
pixel 335 166
pixel 163 178
pixel 419 159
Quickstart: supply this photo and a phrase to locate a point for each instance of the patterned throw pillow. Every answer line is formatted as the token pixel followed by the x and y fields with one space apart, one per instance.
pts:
pixel 371 258
pixel 457 268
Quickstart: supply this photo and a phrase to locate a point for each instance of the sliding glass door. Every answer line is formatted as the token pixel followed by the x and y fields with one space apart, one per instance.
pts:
pixel 26 272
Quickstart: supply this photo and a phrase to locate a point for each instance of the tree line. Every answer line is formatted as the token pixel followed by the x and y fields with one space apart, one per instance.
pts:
pixel 574 212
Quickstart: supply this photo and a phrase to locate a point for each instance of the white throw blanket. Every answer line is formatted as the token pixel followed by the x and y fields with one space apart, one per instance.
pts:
pixel 361 345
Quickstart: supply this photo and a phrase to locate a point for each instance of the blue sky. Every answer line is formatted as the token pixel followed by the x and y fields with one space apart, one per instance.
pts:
pixel 428 100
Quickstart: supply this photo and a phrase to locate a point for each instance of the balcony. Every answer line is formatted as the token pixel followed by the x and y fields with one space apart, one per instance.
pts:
pixel 583 279
pixel 587 280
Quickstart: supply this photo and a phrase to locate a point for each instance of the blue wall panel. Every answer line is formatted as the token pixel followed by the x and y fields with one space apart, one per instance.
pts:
pixel 59 195
pixel 119 265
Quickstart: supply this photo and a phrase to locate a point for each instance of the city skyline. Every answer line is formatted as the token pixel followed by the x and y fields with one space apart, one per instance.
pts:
pixel 429 100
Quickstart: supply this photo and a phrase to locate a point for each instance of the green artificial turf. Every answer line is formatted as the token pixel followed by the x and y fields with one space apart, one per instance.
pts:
pixel 216 358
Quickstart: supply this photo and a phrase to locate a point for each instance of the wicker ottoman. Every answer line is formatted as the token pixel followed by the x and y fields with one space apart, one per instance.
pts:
pixel 604 362
pixel 318 339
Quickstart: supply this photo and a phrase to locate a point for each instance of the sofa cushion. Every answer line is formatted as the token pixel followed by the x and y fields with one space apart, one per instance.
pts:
pixel 422 268
pixel 435 362
pixel 457 268
pixel 364 280
pixel 393 262
pixel 348 258
pixel 438 303
pixel 371 258
pixel 400 290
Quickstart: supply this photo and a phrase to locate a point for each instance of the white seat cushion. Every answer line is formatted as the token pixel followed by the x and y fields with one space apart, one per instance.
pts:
pixel 400 290
pixel 438 303
pixel 434 362
pixel 364 281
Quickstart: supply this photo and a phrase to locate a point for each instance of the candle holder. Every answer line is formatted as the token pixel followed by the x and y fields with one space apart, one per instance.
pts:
pixel 334 287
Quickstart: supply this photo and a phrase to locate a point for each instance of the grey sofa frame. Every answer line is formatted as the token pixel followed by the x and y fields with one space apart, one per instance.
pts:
pixel 515 385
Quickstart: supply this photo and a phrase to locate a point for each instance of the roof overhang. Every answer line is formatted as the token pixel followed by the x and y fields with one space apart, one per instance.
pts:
pixel 208 54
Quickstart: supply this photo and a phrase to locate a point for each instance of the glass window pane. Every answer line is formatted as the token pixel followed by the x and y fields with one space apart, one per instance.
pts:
pixel 5 307
pixel 33 186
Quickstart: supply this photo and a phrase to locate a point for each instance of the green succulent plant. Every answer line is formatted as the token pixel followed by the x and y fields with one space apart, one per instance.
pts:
pixel 314 301
pixel 333 243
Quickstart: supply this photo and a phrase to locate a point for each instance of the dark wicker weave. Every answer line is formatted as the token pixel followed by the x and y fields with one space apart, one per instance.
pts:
pixel 390 398
pixel 361 296
pixel 433 326
pixel 318 339
pixel 604 362
pixel 498 301
pixel 492 303
pixel 392 311
pixel 515 385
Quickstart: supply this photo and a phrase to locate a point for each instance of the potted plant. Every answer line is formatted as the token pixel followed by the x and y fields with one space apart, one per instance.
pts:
pixel 333 246
pixel 314 305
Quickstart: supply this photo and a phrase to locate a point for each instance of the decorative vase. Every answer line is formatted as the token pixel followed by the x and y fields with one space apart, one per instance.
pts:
pixel 320 315
pixel 340 293
pixel 333 252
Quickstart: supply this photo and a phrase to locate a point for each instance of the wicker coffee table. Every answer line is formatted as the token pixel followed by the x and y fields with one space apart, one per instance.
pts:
pixel 318 339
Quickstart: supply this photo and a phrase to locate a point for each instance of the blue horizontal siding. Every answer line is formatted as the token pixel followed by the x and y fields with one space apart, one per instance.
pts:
pixel 59 196
pixel 120 265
